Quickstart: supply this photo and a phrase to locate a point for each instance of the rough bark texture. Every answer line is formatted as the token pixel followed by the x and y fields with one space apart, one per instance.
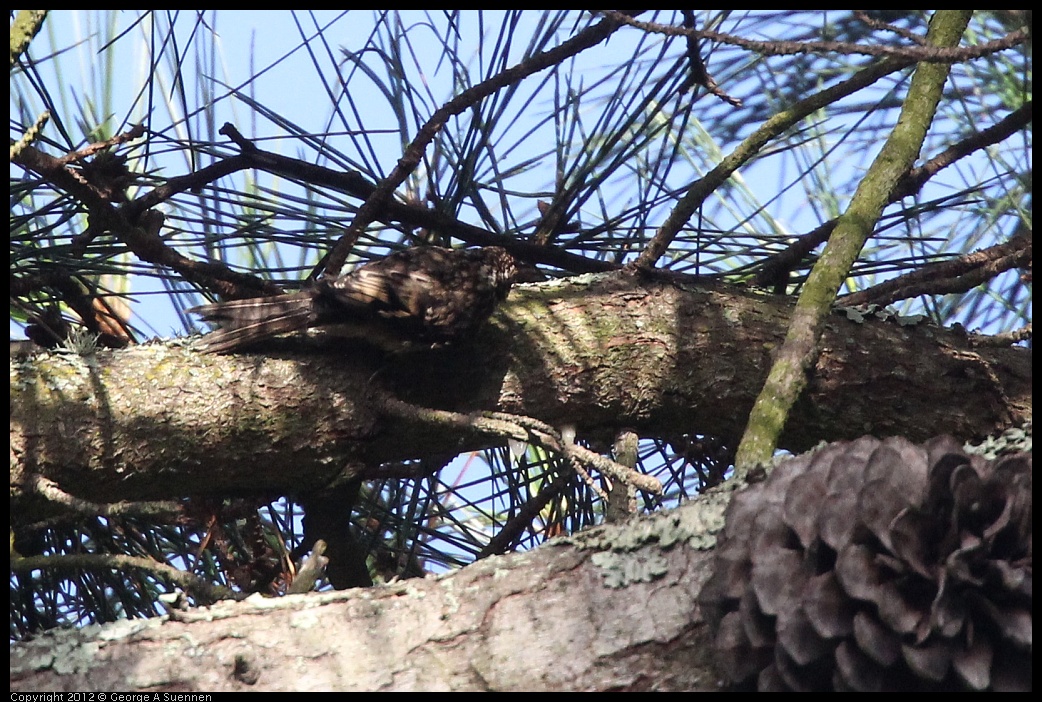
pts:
pixel 597 351
pixel 611 609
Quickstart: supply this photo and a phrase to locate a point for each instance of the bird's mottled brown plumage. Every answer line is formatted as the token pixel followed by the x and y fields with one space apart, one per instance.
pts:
pixel 428 294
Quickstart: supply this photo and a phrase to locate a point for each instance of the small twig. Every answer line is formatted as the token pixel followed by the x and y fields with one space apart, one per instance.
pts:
pixel 313 568
pixel 551 438
pixel 205 591
pixel 48 489
pixel 955 276
pixel 31 134
pixel 774 270
pixel 913 181
pixel 135 132
pixel 519 428
pixel 864 18
pixel 233 285
pixel 697 73
pixel 65 179
pixel 647 483
pixel 702 188
pixel 588 479
pixel 376 203
pixel 622 500
pixel 929 54
pixel 1001 340
pixel 502 541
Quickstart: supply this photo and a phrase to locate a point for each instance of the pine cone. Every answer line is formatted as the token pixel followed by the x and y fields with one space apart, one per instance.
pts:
pixel 877 565
pixel 426 294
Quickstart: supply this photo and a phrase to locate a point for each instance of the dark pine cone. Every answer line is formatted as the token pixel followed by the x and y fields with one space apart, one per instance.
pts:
pixel 877 565
pixel 427 294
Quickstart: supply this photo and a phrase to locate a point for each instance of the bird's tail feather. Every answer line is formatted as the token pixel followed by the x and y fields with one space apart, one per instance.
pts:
pixel 244 322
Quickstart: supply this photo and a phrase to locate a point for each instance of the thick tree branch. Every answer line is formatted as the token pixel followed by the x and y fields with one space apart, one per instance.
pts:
pixel 611 609
pixel 597 351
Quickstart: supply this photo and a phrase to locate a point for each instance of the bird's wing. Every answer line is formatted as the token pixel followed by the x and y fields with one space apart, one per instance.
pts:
pixel 244 322
pixel 387 291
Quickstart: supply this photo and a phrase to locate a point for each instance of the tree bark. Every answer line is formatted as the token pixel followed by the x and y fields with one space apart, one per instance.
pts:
pixel 613 608
pixel 609 609
pixel 598 351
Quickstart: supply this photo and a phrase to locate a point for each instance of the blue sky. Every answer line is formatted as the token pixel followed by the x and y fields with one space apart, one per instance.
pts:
pixel 272 57
pixel 274 54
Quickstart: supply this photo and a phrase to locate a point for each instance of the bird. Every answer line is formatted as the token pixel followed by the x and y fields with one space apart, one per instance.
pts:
pixel 428 294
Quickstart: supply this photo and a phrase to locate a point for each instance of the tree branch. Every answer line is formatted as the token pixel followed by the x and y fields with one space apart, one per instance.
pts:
pixel 458 632
pixel 773 271
pixel 414 151
pixel 917 53
pixel 698 191
pixel 161 421
pixel 798 354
